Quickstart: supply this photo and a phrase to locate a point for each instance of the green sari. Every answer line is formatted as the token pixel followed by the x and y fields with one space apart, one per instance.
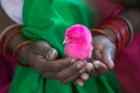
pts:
pixel 47 20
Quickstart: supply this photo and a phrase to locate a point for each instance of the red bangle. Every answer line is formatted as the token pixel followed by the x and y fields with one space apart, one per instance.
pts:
pixel 129 26
pixel 102 32
pixel 4 32
pixel 9 39
pixel 122 27
pixel 115 31
pixel 119 28
pixel 123 30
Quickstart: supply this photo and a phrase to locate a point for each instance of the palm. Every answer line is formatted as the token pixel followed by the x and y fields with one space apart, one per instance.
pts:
pixel 103 54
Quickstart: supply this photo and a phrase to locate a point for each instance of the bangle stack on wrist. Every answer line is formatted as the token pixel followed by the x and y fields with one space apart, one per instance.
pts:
pixel 5 41
pixel 102 32
pixel 121 28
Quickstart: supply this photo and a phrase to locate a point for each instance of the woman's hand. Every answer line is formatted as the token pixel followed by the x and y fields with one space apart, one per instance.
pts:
pixel 44 60
pixel 103 55
pixel 102 61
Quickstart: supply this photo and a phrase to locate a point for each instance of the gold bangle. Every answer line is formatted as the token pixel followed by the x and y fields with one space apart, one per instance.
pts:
pixel 5 31
pixel 102 32
pixel 130 27
pixel 19 45
pixel 99 31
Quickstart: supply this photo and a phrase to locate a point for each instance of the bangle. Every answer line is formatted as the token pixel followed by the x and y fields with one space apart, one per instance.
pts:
pixel 120 30
pixel 115 30
pixel 3 44
pixel 16 51
pixel 102 32
pixel 131 30
pixel 4 32
pixel 4 48
pixel 112 29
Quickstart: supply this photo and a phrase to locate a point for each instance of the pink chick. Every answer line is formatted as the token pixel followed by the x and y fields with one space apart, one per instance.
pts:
pixel 78 42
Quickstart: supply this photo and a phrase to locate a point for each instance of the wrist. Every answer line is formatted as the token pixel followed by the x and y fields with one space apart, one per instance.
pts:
pixel 11 37
pixel 23 52
pixel 16 39
pixel 117 30
pixel 110 33
pixel 4 42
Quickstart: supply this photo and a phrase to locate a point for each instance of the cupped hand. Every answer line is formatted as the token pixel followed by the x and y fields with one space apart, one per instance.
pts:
pixel 44 60
pixel 103 56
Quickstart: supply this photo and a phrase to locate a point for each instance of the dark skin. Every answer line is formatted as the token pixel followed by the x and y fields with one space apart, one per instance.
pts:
pixel 104 53
pixel 105 50
pixel 43 58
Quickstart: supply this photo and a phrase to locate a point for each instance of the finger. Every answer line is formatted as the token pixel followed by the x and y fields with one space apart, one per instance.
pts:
pixel 70 71
pixel 44 49
pixel 40 48
pixel 97 54
pixel 71 78
pixel 52 54
pixel 91 69
pixel 80 82
pixel 42 65
pixel 37 62
pixel 84 76
pixel 57 65
pixel 61 78
pixel 100 67
pixel 108 55
pixel 49 75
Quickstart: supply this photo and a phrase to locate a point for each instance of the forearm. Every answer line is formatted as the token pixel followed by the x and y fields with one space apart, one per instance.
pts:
pixel 120 29
pixel 133 15
pixel 5 22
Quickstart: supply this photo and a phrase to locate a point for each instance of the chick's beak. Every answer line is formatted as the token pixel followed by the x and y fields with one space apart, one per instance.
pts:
pixel 65 41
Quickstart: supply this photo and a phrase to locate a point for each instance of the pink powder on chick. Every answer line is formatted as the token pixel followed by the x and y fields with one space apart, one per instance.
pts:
pixel 78 42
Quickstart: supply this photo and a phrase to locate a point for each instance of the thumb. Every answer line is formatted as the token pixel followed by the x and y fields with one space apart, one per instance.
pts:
pixel 44 49
pixel 108 56
pixel 52 54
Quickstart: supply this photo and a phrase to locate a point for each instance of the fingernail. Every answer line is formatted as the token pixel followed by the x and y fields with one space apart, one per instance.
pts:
pixel 80 83
pixel 80 65
pixel 82 70
pixel 85 76
pixel 89 67
pixel 96 62
pixel 72 61
pixel 53 50
pixel 52 54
